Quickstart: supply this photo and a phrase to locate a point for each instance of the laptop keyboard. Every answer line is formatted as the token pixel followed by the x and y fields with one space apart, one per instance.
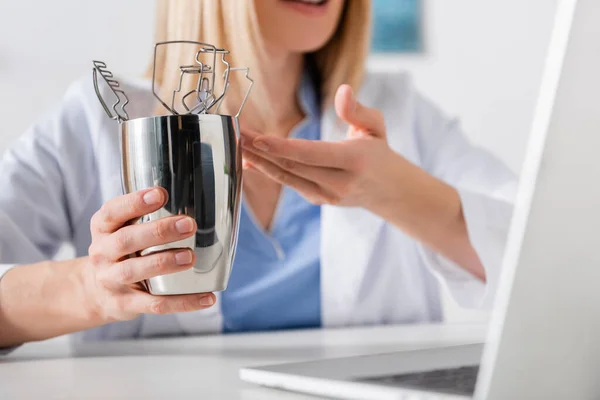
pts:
pixel 455 381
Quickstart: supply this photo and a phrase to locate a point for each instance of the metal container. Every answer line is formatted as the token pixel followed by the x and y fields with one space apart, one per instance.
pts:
pixel 194 155
pixel 197 159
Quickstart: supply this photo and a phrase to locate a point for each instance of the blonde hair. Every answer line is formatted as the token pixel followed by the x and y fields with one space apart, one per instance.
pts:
pixel 233 25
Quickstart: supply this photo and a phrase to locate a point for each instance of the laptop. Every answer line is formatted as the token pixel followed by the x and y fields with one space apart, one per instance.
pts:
pixel 544 335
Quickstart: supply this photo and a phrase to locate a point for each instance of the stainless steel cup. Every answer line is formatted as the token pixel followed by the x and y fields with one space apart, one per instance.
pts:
pixel 197 159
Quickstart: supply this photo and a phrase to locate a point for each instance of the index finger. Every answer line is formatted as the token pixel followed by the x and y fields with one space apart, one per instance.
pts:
pixel 309 152
pixel 117 212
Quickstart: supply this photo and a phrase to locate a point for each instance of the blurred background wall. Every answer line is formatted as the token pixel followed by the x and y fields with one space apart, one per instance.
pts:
pixel 481 62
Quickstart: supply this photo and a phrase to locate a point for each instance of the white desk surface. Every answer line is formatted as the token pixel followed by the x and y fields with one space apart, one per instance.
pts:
pixel 198 367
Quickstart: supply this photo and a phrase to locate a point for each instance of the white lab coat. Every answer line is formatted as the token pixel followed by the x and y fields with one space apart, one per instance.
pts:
pixel 66 166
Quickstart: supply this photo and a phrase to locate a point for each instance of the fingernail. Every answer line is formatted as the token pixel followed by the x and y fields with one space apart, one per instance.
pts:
pixel 349 89
pixel 259 144
pixel 184 225
pixel 152 197
pixel 183 257
pixel 207 301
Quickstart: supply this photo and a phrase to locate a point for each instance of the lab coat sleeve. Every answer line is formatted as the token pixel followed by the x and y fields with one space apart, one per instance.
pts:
pixel 486 188
pixel 46 180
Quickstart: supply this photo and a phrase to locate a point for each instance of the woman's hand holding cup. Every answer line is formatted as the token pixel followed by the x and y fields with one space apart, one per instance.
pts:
pixel 112 281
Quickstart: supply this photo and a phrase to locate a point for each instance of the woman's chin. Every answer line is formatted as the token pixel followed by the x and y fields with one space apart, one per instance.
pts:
pixel 307 46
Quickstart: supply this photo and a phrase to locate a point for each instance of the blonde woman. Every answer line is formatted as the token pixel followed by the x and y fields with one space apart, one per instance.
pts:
pixel 360 196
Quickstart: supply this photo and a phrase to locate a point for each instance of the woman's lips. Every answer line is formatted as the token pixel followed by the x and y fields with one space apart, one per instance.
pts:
pixel 308 7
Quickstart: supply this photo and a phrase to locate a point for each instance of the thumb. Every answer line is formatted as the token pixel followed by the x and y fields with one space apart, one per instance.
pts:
pixel 358 116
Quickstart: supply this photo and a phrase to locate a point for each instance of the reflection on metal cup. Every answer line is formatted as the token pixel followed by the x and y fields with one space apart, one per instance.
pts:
pixel 197 159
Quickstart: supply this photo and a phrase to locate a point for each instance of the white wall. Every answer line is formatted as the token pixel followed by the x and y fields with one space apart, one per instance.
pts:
pixel 45 45
pixel 482 63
